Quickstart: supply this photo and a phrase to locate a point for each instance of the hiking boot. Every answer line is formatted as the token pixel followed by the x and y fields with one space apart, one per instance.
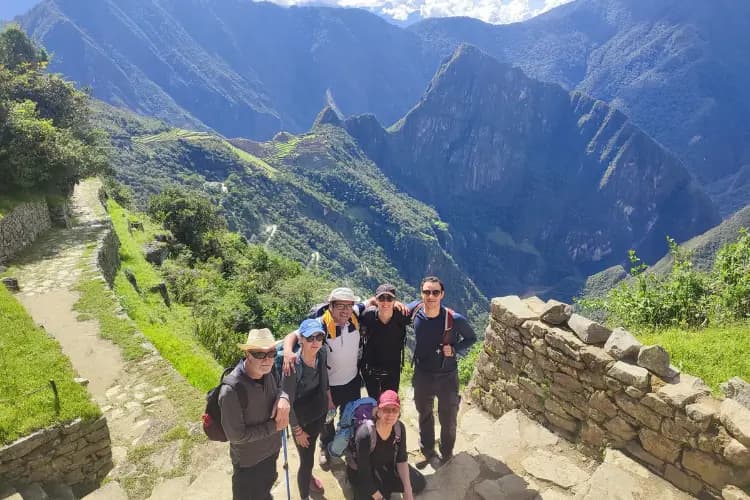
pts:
pixel 316 485
pixel 444 459
pixel 428 454
pixel 323 458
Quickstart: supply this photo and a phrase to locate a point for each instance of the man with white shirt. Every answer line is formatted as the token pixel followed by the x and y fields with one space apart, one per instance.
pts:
pixel 341 320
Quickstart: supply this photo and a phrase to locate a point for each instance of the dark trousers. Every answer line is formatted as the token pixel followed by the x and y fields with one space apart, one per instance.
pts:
pixel 444 386
pixel 307 456
pixel 255 483
pixel 378 380
pixel 341 394
pixel 390 484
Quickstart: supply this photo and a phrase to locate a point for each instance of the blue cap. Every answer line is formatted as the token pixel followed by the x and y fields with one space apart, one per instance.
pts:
pixel 310 327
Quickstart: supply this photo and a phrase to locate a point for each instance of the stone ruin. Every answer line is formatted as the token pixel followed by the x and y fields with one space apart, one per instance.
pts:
pixel 603 389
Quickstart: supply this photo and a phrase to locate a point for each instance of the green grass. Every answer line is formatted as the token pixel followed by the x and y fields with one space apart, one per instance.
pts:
pixel 169 329
pixel 29 359
pixel 714 354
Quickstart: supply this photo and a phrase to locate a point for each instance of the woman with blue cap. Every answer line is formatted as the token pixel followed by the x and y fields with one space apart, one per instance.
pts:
pixel 307 387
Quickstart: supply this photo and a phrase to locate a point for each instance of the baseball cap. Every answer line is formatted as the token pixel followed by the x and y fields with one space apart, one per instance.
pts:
pixel 389 398
pixel 310 327
pixel 386 288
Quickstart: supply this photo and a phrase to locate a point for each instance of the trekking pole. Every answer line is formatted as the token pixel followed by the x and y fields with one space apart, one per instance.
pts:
pixel 286 464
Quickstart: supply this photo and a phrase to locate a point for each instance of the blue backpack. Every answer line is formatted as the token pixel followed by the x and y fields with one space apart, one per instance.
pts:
pixel 356 413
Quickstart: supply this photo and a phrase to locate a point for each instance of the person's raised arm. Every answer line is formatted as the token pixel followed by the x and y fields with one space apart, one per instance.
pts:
pixel 289 357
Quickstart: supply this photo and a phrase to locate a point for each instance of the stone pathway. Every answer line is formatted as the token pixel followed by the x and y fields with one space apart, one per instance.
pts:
pixel 159 451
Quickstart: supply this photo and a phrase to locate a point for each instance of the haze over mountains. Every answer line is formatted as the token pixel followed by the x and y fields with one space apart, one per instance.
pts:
pixel 535 185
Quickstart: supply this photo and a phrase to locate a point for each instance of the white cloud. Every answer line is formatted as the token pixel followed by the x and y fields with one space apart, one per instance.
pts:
pixel 491 11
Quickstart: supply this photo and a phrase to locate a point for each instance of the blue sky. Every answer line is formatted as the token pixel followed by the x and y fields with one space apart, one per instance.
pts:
pixel 491 11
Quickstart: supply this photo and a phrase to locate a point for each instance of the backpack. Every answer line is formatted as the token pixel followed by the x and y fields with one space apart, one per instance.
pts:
pixel 448 323
pixel 212 414
pixel 354 414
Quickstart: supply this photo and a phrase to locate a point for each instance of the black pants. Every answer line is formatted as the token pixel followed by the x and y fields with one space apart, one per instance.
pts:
pixel 378 380
pixel 307 456
pixel 255 483
pixel 388 485
pixel 444 386
pixel 341 394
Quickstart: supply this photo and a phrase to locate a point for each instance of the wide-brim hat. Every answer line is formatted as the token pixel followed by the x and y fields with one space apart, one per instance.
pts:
pixel 342 294
pixel 261 338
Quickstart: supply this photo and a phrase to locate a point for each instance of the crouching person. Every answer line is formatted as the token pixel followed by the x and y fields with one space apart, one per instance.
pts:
pixel 254 412
pixel 378 466
pixel 307 387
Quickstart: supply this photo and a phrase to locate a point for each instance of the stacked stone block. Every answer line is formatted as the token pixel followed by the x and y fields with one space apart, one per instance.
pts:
pixel 21 226
pixel 78 454
pixel 603 388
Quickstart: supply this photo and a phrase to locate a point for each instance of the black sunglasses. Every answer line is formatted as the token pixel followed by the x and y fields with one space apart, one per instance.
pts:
pixel 262 354
pixel 434 293
pixel 320 337
pixel 385 298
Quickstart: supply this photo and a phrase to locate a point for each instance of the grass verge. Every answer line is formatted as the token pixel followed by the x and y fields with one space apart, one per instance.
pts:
pixel 714 354
pixel 29 359
pixel 170 329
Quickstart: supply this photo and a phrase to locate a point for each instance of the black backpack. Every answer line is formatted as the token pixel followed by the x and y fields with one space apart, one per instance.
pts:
pixel 212 414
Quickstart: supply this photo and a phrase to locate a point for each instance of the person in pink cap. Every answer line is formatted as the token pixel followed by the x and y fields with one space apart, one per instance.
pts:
pixel 378 466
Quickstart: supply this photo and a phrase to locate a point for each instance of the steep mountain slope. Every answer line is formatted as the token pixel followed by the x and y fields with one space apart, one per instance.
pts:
pixel 677 68
pixel 540 187
pixel 242 68
pixel 315 198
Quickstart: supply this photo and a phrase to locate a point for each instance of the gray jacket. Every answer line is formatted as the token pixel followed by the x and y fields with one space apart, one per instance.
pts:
pixel 251 431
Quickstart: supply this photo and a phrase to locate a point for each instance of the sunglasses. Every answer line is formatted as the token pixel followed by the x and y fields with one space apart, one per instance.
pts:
pixel 320 337
pixel 262 354
pixel 385 298
pixel 434 293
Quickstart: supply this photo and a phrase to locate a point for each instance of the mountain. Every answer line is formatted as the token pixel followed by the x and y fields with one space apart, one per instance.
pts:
pixel 12 8
pixel 702 250
pixel 677 68
pixel 313 197
pixel 539 187
pixel 242 68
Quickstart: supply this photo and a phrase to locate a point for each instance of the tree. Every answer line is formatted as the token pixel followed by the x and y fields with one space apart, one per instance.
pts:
pixel 17 50
pixel 188 215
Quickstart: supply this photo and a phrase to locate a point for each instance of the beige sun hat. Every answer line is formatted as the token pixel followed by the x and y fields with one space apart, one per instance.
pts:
pixel 342 294
pixel 258 339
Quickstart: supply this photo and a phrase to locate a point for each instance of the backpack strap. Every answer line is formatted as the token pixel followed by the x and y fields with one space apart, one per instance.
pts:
pixel 239 389
pixel 374 437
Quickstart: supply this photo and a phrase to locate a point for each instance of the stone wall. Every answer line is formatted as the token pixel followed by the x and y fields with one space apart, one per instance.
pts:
pixel 602 388
pixel 78 454
pixel 21 226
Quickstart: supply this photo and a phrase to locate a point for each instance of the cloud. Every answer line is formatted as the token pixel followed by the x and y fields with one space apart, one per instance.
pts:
pixel 491 11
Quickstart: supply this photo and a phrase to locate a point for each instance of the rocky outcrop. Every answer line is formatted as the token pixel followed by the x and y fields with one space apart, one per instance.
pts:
pixel 673 426
pixel 78 454
pixel 21 226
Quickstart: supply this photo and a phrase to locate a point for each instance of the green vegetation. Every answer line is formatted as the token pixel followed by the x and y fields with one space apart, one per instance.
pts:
pixel 46 141
pixel 29 359
pixel 700 317
pixel 170 329
pixel 715 353
pixel 467 364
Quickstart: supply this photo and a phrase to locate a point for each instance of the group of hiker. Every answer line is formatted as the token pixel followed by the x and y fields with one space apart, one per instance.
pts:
pixel 319 372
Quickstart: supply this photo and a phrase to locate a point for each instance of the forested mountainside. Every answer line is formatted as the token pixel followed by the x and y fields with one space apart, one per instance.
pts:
pixel 242 68
pixel 314 197
pixel 677 68
pixel 533 188
pixel 539 186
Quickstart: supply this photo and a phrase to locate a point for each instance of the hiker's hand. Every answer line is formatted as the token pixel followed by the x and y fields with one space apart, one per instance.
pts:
pixel 282 414
pixel 448 351
pixel 289 359
pixel 400 306
pixel 377 495
pixel 302 438
pixel 331 405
